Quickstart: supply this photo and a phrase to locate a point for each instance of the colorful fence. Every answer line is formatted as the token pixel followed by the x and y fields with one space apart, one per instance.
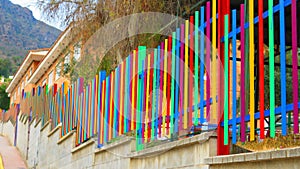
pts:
pixel 197 79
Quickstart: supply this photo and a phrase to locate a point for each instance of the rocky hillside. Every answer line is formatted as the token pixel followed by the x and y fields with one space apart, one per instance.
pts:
pixel 20 31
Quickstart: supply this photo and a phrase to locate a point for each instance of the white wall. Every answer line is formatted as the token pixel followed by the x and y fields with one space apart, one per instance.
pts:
pixel 49 151
pixel 8 130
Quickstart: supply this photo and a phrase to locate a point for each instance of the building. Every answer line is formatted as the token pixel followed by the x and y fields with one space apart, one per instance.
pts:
pixel 20 80
pixel 50 70
pixel 44 66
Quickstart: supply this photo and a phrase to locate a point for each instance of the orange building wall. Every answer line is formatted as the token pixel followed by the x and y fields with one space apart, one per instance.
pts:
pixel 61 79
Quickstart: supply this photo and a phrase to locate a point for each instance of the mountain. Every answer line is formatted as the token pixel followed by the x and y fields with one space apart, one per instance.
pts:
pixel 20 31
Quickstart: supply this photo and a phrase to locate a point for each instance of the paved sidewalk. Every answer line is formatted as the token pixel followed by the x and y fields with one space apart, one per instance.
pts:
pixel 10 155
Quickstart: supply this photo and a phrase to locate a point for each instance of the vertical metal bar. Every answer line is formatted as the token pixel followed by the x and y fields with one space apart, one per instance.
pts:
pixel 100 107
pixel 111 124
pixel 261 67
pixel 271 69
pixel 243 87
pixel 107 105
pixel 165 69
pixel 251 66
pixel 214 58
pixel 177 81
pixel 196 74
pixel 133 92
pixel 115 90
pixel 147 91
pixel 102 114
pixel 234 76
pixel 126 95
pixel 158 93
pixel 161 83
pixel 173 55
pixel 207 62
pixel 226 101
pixel 181 96
pixel 191 70
pixel 121 98
pixel 169 71
pixel 282 68
pixel 154 96
pixel 295 67
pixel 186 70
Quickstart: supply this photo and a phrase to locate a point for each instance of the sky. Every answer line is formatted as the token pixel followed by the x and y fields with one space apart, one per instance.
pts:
pixel 31 4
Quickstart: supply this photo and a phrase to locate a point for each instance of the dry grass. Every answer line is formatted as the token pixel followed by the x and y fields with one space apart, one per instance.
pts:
pixel 279 142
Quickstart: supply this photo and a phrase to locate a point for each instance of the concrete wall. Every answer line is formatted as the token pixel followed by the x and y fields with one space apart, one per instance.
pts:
pixel 284 159
pixel 186 153
pixel 34 144
pixel 47 150
pixel 22 136
pixel 116 155
pixel 8 130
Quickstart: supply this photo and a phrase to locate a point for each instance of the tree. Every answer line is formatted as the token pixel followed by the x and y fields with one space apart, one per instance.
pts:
pixel 16 62
pixel 289 82
pixel 4 99
pixel 87 16
pixel 5 67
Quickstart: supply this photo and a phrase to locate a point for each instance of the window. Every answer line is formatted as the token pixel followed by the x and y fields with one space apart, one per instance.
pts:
pixel 30 72
pixel 50 78
pixel 57 71
pixel 67 61
pixel 26 79
pixel 77 51
pixel 44 82
pixel 23 85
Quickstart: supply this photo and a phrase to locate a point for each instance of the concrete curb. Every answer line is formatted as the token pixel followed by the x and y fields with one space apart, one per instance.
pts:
pixel 1 162
pixel 255 156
